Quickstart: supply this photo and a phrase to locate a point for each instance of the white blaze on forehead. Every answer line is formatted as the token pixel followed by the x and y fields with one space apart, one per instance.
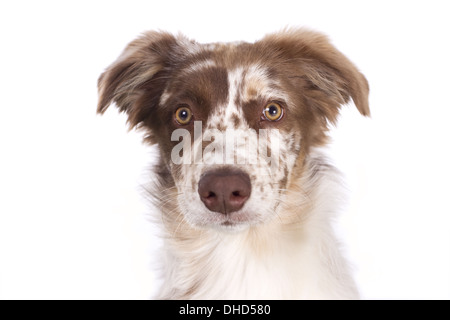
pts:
pixel 235 79
pixel 222 116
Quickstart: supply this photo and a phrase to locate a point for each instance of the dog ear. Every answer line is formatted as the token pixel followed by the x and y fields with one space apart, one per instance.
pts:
pixel 327 77
pixel 140 69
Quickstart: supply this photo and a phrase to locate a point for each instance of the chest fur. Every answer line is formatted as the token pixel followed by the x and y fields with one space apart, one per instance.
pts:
pixel 252 265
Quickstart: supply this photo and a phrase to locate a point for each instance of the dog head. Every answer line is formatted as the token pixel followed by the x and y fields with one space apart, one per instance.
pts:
pixel 233 122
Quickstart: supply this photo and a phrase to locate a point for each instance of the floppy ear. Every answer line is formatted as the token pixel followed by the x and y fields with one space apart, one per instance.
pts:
pixel 327 77
pixel 139 70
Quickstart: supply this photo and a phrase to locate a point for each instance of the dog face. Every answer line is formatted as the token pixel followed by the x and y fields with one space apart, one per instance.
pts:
pixel 233 122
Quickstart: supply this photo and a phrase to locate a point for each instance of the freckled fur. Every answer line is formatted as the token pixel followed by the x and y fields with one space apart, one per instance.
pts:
pixel 283 245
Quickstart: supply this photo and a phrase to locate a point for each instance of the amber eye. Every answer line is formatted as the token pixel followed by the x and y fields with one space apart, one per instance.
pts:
pixel 273 111
pixel 183 115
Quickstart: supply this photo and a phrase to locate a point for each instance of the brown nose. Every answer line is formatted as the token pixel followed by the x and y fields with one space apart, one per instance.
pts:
pixel 224 190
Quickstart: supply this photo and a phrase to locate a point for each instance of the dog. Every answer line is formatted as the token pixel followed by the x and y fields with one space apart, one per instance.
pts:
pixel 240 223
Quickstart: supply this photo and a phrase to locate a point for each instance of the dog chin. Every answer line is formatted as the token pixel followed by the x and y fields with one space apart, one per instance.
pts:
pixel 234 223
pixel 232 226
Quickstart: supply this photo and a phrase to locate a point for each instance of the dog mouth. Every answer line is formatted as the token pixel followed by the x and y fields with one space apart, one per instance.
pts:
pixel 228 224
pixel 232 221
pixel 231 226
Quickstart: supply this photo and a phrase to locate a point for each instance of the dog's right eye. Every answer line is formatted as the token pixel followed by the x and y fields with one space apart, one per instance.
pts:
pixel 183 115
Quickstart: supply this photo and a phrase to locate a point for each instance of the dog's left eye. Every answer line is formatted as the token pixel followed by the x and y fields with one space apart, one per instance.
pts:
pixel 183 115
pixel 273 111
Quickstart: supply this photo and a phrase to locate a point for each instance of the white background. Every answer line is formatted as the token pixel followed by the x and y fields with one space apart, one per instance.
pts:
pixel 72 221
